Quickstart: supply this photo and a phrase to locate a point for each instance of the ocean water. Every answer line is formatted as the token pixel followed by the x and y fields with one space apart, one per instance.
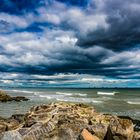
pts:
pixel 124 102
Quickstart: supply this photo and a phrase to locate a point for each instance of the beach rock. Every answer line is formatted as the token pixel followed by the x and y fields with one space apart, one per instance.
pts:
pixel 12 124
pixel 12 135
pixel 136 136
pixel 86 135
pixel 122 127
pixel 3 127
pixel 5 98
pixel 67 121
pixel 66 134
pixel 109 135
pixel 136 125
pixel 18 117
pixel 60 134
pixel 19 98
pixel 99 130
pixel 39 130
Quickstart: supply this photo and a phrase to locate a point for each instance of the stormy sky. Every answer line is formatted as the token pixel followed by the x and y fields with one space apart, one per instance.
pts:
pixel 70 43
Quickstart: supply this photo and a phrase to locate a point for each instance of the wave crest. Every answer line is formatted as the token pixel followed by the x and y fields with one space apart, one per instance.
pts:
pixel 107 93
pixel 71 94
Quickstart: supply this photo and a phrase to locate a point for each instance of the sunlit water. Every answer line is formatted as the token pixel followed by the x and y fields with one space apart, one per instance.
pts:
pixel 124 102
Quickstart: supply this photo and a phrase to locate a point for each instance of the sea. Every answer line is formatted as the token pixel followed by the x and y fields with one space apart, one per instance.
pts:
pixel 121 102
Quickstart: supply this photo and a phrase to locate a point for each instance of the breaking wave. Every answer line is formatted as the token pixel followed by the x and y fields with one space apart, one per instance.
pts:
pixel 84 100
pixel 71 94
pixel 45 96
pixel 107 93
pixel 134 103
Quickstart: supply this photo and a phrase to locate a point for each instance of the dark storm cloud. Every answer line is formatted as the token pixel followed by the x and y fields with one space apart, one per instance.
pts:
pixel 81 3
pixel 123 31
pixel 96 37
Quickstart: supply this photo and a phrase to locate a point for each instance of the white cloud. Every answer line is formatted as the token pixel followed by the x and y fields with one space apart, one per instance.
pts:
pixel 67 39
pixel 15 21
pixel 56 76
pixel 127 57
pixel 56 46
pixel 7 81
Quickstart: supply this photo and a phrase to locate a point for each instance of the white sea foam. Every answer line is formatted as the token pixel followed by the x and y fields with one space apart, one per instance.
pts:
pixel 95 101
pixel 61 96
pixel 107 93
pixel 71 94
pixel 134 103
pixel 37 93
pixel 83 100
pixel 63 93
pixel 22 91
pixel 45 96
pixel 62 100
pixel 81 94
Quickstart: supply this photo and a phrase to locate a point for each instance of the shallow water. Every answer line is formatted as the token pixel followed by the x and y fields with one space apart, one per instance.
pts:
pixel 116 101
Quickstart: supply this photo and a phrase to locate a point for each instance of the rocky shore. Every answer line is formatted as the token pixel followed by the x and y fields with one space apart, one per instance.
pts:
pixel 68 121
pixel 6 98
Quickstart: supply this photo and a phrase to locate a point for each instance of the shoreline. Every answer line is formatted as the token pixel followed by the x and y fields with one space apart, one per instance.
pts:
pixel 117 104
pixel 75 121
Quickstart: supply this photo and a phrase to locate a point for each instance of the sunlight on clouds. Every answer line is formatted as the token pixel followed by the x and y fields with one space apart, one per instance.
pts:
pixel 66 39
pixel 94 43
